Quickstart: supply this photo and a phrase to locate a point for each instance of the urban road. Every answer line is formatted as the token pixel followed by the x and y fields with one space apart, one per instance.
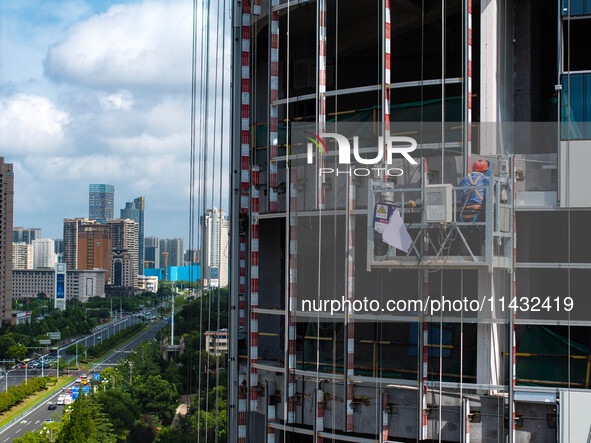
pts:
pixel 17 376
pixel 35 417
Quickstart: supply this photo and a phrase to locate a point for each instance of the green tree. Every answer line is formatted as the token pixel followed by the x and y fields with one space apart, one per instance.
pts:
pixel 208 433
pixel 32 437
pixel 85 424
pixel 17 351
pixel 157 396
pixel 47 433
pixel 143 432
pixel 171 435
pixel 120 409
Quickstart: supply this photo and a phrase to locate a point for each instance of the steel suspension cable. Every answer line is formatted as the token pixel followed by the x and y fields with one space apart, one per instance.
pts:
pixel 213 219
pixel 203 175
pixel 194 48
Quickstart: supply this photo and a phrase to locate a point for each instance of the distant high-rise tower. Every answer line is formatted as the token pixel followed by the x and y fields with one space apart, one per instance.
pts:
pixel 59 250
pixel 214 245
pixel 172 252
pixel 101 202
pixel 152 252
pixel 26 235
pixel 6 233
pixel 135 211
pixel 22 256
pixel 94 247
pixel 44 253
pixel 122 265
pixel 71 229
pixel 124 236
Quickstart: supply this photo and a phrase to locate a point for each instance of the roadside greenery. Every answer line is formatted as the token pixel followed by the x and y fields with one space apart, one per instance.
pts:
pixel 108 343
pixel 70 323
pixel 138 400
pixel 16 394
pixel 77 319
pixel 128 304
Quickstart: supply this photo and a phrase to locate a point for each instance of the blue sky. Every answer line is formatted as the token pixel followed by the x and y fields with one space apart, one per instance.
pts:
pixel 97 92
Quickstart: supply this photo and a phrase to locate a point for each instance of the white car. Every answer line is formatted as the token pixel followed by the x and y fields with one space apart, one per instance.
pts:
pixel 68 400
pixel 61 399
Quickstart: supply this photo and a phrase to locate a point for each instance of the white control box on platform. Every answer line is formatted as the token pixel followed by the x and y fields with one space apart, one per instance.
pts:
pixel 438 204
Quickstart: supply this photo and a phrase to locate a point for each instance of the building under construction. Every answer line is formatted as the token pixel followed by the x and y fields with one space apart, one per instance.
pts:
pixel 454 81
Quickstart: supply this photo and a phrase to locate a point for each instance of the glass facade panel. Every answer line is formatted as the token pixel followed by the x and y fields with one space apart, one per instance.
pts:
pixel 575 112
pixel 577 7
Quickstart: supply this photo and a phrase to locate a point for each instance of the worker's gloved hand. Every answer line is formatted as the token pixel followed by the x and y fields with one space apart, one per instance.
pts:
pixel 412 204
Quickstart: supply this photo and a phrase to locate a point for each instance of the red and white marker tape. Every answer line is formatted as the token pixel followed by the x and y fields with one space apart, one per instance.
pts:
pixel 254 287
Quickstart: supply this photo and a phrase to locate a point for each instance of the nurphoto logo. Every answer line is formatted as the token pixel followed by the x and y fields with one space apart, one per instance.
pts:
pixel 383 154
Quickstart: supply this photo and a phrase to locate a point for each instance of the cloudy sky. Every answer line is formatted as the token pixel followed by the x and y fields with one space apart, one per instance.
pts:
pixel 97 91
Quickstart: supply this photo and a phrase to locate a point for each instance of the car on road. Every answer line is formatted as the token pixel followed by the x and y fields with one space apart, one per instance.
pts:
pixel 51 406
pixel 49 420
pixel 61 399
pixel 78 380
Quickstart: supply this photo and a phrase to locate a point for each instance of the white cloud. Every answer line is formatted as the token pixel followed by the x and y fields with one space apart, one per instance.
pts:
pixel 133 45
pixel 120 100
pixel 30 124
pixel 113 106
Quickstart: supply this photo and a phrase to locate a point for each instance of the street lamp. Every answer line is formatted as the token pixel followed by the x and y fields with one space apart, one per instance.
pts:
pixel 6 375
pixel 49 432
pixel 42 363
pixel 26 371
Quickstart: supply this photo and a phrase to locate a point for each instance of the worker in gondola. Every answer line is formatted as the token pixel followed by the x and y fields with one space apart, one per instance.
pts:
pixel 473 200
pixel 472 205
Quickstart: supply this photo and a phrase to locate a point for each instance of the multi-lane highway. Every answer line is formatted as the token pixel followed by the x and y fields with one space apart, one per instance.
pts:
pixel 35 417
pixel 101 332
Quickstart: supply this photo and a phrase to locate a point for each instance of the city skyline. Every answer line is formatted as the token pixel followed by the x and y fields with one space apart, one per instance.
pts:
pixel 67 125
pixel 120 206
pixel 55 230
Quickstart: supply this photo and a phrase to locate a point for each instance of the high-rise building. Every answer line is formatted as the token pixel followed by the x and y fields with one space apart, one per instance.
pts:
pixel 192 256
pixel 172 252
pixel 214 247
pixel 26 235
pixel 59 250
pixel 152 253
pixel 71 229
pixel 124 235
pixel 135 211
pixel 6 237
pixel 505 83
pixel 44 253
pixel 23 256
pixel 101 202
pixel 94 247
pixel 122 269
pixel 59 246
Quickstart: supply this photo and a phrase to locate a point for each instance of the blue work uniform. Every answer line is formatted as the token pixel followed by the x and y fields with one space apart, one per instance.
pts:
pixel 474 196
pixel 473 199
